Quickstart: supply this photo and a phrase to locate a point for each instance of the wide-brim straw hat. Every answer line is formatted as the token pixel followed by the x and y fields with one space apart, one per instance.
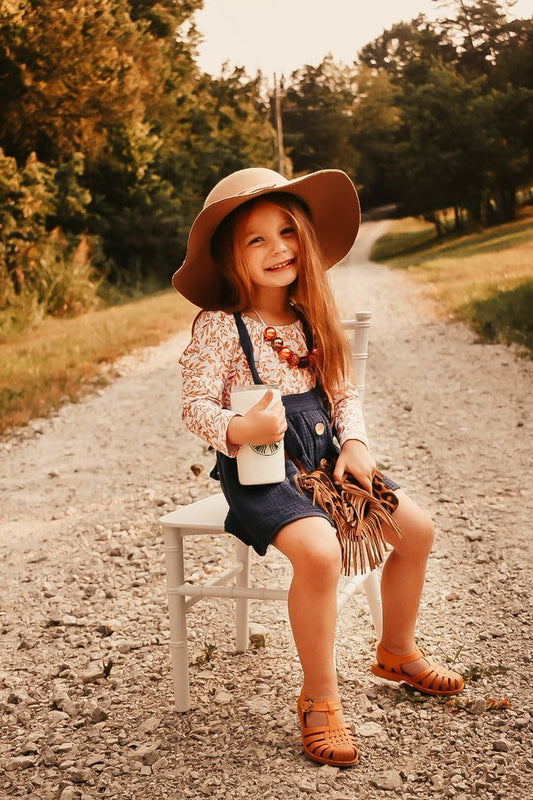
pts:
pixel 329 195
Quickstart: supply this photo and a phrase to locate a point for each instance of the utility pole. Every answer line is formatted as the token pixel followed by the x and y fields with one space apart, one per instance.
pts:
pixel 279 126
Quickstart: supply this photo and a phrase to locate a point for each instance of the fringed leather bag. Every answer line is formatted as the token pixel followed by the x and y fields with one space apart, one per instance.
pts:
pixel 357 515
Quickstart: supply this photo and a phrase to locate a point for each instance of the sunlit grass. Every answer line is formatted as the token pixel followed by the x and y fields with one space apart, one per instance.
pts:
pixel 64 358
pixel 457 280
pixel 404 236
pixel 484 278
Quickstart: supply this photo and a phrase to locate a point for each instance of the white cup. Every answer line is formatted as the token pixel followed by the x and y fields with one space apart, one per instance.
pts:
pixel 258 463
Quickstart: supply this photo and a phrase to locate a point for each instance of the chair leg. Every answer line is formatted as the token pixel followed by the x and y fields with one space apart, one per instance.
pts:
pixel 242 604
pixel 373 595
pixel 177 616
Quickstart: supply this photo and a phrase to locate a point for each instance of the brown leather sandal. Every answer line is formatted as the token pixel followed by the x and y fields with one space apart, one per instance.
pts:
pixel 333 743
pixel 433 679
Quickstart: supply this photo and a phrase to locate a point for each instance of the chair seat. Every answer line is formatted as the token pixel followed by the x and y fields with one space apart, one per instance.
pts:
pixel 203 516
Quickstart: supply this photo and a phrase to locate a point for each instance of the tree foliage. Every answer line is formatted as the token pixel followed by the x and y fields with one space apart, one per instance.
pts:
pixel 460 97
pixel 73 74
pixel 443 153
pixel 110 136
pixel 105 101
pixel 435 114
pixel 318 118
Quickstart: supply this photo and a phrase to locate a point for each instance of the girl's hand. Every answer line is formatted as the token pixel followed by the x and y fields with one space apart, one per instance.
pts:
pixel 356 459
pixel 264 423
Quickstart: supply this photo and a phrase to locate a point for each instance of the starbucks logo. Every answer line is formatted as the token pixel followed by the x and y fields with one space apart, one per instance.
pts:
pixel 266 449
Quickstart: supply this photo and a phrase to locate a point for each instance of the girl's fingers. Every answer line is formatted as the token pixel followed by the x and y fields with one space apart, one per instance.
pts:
pixel 267 419
pixel 340 471
pixel 265 401
pixel 366 483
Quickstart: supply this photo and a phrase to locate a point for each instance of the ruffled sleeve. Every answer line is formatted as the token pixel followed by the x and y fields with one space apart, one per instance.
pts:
pixel 207 364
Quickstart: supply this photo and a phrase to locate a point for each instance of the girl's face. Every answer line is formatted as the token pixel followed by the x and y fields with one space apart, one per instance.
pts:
pixel 270 246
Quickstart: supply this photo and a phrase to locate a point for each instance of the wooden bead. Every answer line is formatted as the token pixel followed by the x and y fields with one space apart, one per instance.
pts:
pixel 269 334
pixel 285 353
pixel 277 343
pixel 294 360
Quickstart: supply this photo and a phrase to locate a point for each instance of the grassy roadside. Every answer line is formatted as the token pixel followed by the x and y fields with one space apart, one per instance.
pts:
pixel 484 279
pixel 65 358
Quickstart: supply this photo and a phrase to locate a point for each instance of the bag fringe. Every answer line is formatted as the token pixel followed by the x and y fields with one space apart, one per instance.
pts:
pixel 358 516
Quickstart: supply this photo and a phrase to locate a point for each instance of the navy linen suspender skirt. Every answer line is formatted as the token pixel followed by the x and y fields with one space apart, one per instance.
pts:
pixel 257 513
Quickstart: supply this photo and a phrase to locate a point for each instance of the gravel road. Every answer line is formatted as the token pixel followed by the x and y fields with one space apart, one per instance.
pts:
pixel 85 687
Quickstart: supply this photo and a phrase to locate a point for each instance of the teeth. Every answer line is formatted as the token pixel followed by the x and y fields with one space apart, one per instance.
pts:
pixel 284 264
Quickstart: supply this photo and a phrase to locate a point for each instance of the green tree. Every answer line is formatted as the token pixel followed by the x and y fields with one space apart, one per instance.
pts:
pixel 407 49
pixel 133 211
pixel 482 33
pixel 514 65
pixel 27 197
pixel 230 127
pixel 509 122
pixel 376 122
pixel 166 17
pixel 41 271
pixel 442 156
pixel 72 196
pixel 70 72
pixel 465 104
pixel 318 118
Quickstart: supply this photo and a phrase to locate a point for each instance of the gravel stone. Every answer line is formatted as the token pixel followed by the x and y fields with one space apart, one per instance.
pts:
pixel 390 779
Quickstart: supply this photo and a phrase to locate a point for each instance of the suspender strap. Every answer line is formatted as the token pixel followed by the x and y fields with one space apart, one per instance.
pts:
pixel 246 344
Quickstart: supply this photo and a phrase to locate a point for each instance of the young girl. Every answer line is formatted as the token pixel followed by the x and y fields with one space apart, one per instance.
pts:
pixel 256 263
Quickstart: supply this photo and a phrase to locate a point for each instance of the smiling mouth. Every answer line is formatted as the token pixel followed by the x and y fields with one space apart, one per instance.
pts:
pixel 283 264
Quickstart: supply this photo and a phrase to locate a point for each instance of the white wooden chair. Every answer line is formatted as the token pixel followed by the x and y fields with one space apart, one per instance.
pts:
pixel 207 517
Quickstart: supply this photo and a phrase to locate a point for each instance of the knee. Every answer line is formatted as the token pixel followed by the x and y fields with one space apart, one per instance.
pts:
pixel 319 562
pixel 311 546
pixel 426 533
pixel 421 534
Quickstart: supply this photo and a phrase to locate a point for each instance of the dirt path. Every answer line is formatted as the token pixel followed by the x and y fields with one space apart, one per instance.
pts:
pixel 83 586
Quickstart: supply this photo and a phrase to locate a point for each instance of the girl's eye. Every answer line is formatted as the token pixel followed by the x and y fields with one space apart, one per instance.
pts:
pixel 288 231
pixel 255 240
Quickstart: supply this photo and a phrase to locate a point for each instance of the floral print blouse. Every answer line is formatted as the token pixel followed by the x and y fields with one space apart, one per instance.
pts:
pixel 213 363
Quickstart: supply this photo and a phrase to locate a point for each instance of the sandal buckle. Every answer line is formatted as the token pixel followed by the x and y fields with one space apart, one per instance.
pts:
pixel 308 705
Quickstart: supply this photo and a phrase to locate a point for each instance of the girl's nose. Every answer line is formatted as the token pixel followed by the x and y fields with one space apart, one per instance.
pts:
pixel 280 246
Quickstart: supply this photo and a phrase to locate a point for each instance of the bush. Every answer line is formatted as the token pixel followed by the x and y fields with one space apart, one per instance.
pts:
pixel 505 316
pixel 42 272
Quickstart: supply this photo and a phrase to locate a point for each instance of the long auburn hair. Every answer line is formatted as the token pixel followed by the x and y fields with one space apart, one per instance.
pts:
pixel 310 292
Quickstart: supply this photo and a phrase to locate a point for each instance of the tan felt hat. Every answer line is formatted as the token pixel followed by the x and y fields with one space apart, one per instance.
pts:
pixel 329 195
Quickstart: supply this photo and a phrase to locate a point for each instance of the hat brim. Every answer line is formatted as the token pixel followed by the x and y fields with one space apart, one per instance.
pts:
pixel 335 211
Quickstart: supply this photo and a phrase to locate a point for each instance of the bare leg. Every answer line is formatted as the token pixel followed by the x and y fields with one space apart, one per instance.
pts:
pixel 403 576
pixel 312 548
pixel 401 589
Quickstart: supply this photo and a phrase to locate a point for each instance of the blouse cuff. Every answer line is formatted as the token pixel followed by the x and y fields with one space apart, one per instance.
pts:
pixel 359 435
pixel 358 438
pixel 227 449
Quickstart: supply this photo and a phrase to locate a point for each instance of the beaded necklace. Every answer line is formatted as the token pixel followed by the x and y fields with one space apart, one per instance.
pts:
pixel 272 337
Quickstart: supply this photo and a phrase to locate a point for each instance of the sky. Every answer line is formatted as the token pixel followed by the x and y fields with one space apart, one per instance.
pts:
pixel 280 36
